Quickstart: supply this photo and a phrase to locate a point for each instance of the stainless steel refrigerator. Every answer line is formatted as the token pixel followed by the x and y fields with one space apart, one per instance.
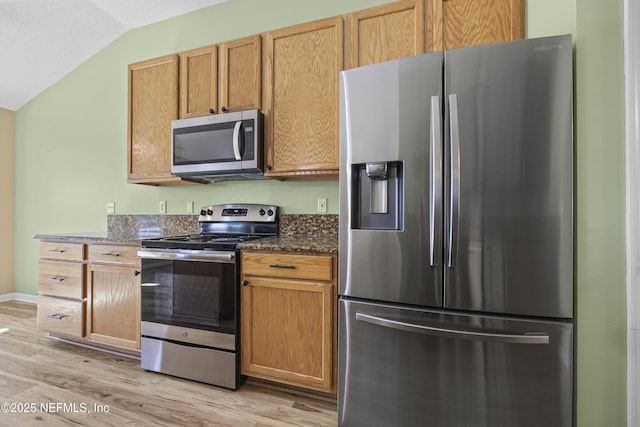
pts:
pixel 456 239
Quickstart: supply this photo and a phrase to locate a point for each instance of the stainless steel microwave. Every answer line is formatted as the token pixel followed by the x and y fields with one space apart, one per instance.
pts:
pixel 221 147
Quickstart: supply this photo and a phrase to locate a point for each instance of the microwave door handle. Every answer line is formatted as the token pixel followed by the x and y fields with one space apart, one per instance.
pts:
pixel 237 144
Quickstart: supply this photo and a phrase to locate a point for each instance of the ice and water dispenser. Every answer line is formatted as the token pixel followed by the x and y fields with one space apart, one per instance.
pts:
pixel 377 196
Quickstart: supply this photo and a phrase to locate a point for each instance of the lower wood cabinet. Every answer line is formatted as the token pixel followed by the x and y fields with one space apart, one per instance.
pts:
pixel 113 294
pixel 61 288
pixel 90 291
pixel 289 319
pixel 61 315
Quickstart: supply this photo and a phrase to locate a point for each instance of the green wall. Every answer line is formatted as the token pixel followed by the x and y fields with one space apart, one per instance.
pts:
pixel 71 161
pixel 600 206
pixel 597 28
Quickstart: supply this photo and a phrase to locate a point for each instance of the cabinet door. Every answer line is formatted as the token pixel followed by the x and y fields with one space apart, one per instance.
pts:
pixel 199 82
pixel 153 103
pixel 287 331
pixel 387 32
pixel 301 99
pixel 460 23
pixel 240 74
pixel 114 305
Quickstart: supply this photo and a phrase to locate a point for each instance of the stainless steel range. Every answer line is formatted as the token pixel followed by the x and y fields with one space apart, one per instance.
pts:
pixel 190 294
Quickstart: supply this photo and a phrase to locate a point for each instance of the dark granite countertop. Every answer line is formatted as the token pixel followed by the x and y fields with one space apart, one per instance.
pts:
pixel 121 238
pixel 299 243
pixel 298 232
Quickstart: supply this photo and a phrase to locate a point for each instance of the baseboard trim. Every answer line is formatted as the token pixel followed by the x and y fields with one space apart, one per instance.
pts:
pixel 17 296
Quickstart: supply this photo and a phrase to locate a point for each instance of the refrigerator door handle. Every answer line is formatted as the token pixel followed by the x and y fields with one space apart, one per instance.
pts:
pixel 454 202
pixel 435 199
pixel 520 338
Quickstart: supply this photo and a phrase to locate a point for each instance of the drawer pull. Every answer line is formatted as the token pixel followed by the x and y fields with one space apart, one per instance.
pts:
pixel 60 251
pixel 111 254
pixel 290 267
pixel 56 279
pixel 56 316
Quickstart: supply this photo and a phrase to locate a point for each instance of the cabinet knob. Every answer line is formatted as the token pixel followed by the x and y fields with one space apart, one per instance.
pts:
pixel 212 111
pixel 136 273
pixel 244 282
pixel 224 109
pixel 269 167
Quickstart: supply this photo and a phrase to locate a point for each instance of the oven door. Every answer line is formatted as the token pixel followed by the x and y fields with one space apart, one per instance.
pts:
pixel 189 289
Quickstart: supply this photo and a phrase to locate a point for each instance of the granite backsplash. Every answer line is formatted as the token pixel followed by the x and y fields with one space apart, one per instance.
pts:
pixel 175 225
pixel 308 225
pixel 153 225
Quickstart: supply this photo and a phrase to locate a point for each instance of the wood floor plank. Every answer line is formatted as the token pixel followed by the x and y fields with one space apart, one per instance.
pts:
pixel 65 382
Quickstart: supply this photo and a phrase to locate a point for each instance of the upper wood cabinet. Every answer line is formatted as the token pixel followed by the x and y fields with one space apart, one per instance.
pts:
pixel 240 74
pixel 386 32
pixel 153 103
pixel 199 82
pixel 302 65
pixel 459 23
pixel 221 78
pixel 292 75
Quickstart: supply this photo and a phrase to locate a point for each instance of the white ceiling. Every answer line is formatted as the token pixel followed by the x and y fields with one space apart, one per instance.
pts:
pixel 43 40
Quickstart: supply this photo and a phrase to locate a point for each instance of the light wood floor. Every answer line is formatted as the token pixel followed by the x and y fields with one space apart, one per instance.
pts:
pixel 53 383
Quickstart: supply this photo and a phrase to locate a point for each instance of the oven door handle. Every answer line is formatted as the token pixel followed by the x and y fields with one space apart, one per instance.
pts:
pixel 189 255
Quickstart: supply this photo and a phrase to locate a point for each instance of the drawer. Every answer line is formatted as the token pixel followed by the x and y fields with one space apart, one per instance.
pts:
pixel 114 254
pixel 61 279
pixel 61 315
pixel 62 250
pixel 312 267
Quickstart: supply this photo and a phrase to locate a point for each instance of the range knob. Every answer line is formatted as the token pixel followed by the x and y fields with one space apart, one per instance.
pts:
pixel 261 212
pixel 270 212
pixel 209 212
pixel 203 212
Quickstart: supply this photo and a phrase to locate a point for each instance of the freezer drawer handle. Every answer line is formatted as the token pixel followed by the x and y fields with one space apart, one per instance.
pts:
pixel 526 338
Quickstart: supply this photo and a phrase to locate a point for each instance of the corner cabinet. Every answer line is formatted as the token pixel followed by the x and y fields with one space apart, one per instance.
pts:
pixel 289 318
pixel 301 102
pixel 454 24
pixel 153 103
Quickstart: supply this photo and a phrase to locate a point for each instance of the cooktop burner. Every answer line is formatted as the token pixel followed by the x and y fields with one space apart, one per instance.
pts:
pixel 223 227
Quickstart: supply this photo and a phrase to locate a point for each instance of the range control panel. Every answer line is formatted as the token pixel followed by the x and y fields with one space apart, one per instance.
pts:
pixel 238 212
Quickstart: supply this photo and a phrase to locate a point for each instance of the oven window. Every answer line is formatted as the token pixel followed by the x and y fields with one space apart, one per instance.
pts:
pixel 200 295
